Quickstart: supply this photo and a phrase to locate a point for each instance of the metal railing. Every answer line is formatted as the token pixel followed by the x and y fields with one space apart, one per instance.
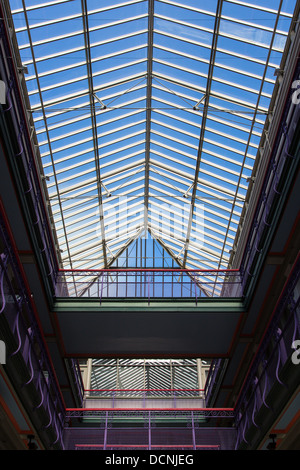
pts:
pixel 190 413
pixel 77 379
pixel 148 283
pixel 282 163
pixel 145 393
pixel 24 340
pixel 165 447
pixel 144 398
pixel 275 353
pixel 22 149
pixel 156 431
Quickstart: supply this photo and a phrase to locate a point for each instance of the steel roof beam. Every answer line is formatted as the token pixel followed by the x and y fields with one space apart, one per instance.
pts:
pixel 203 123
pixel 45 122
pixel 93 119
pixel 278 12
pixel 176 259
pixel 148 108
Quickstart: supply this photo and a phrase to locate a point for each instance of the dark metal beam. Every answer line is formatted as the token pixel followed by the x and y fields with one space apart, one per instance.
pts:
pixel 203 123
pixel 255 112
pixel 180 263
pixel 94 119
pixel 148 109
pixel 48 139
pixel 111 261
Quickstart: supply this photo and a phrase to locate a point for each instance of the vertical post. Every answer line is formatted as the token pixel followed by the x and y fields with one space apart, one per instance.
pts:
pixel 172 383
pixel 118 386
pixel 181 275
pixel 136 278
pixel 196 298
pixel 149 431
pixel 193 432
pixel 101 293
pixel 89 375
pixel 105 431
pixel 199 373
pixel 144 384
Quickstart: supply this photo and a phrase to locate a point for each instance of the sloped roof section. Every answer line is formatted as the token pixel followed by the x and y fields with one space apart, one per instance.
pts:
pixel 149 116
pixel 136 375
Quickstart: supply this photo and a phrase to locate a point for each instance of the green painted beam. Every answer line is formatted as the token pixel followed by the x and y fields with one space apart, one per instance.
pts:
pixel 134 305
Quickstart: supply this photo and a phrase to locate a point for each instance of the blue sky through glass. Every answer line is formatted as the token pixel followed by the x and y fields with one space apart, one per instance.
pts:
pixel 117 144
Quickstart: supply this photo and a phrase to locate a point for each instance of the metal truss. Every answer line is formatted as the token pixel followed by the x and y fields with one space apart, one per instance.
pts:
pixel 185 414
pixel 157 105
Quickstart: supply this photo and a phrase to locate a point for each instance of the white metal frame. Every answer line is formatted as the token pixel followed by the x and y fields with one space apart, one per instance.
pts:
pixel 177 126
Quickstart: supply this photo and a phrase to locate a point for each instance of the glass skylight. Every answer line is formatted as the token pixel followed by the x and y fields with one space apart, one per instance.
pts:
pixel 149 116
pixel 137 375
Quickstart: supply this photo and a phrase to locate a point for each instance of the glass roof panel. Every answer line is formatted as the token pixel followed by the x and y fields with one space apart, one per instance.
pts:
pixel 146 109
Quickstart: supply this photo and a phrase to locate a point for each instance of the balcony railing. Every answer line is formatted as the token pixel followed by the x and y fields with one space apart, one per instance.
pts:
pixel 77 379
pixel 20 146
pixel 144 398
pixel 164 447
pixel 274 358
pixel 156 430
pixel 148 283
pixel 282 164
pixel 27 359
pixel 145 393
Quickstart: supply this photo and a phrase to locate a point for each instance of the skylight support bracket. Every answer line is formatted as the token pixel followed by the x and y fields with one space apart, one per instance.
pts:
pixel 103 106
pixel 196 107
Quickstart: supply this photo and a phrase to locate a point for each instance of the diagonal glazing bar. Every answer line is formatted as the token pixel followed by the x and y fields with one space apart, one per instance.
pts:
pixel 93 119
pixel 203 123
pixel 253 120
pixel 148 108
pixel 46 130
pixel 177 259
